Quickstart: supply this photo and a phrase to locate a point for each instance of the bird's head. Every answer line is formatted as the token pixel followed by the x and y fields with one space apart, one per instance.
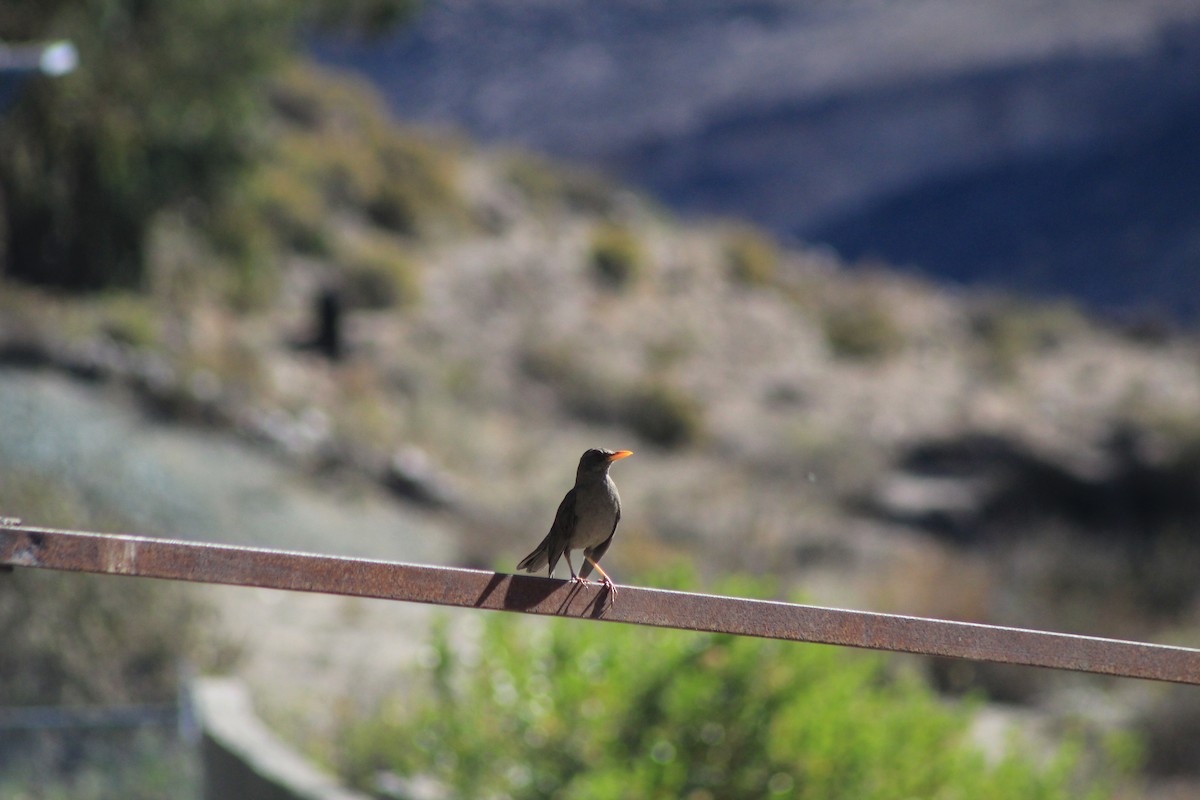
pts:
pixel 598 460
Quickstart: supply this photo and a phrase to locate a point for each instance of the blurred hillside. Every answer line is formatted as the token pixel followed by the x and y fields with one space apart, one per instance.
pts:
pixel 869 438
pixel 788 414
pixel 1047 147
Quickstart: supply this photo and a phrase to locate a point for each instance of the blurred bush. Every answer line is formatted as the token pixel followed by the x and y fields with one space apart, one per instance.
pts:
pixel 162 110
pixel 89 639
pixel 569 709
pixel 862 331
pixel 654 409
pixel 129 319
pixel 547 185
pixel 616 256
pixel 663 415
pixel 751 256
pixel 419 182
pixel 377 273
pixel 1011 332
pixel 129 764
pixel 291 205
pixel 166 110
pixel 341 151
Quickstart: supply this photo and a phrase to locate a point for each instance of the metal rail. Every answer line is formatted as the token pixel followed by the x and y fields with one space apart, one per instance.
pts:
pixel 243 566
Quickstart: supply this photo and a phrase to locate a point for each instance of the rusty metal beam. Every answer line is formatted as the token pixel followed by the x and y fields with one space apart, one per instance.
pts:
pixel 243 566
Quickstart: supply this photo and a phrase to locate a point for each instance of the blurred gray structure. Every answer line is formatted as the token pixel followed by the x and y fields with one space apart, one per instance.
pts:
pixel 243 759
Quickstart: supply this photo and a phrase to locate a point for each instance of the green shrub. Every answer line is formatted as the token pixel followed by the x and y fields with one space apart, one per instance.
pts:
pixel 863 331
pixel 656 411
pixel 395 208
pixel 293 208
pixel 91 639
pixel 129 319
pixel 341 150
pixel 572 709
pixel 246 238
pixel 751 257
pixel 153 120
pixel 616 256
pixel 147 764
pixel 550 185
pixel 377 273
pixel 663 415
pixel 419 183
pixel 1011 332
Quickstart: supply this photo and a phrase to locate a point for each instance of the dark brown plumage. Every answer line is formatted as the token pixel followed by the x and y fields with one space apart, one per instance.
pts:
pixel 586 520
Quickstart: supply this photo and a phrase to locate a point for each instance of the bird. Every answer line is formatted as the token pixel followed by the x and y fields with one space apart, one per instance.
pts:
pixel 586 520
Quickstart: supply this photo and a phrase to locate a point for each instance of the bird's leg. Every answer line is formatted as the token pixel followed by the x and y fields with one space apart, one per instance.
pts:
pixel 574 577
pixel 604 579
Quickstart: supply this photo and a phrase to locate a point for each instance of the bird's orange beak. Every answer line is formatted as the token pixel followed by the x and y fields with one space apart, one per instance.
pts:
pixel 617 456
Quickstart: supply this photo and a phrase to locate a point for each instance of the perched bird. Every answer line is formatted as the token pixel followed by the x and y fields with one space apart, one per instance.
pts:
pixel 586 520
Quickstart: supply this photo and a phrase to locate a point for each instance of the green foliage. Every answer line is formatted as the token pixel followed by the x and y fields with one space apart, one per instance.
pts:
pixel 377 273
pixel 290 204
pixel 131 765
pixel 570 709
pixel 243 246
pixel 166 110
pixel 863 331
pixel 655 410
pixel 161 110
pixel 548 185
pixel 72 639
pixel 1011 331
pixel 129 319
pixel 340 150
pixel 616 256
pixel 663 415
pixel 752 257
pixel 419 182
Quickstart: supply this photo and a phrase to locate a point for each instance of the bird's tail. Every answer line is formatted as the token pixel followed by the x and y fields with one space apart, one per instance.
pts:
pixel 539 558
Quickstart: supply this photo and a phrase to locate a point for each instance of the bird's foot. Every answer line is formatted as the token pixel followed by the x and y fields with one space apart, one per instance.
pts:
pixel 607 583
pixel 581 581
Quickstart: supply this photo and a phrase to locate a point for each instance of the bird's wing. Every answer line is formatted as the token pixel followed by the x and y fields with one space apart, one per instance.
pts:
pixel 551 549
pixel 597 552
pixel 560 531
